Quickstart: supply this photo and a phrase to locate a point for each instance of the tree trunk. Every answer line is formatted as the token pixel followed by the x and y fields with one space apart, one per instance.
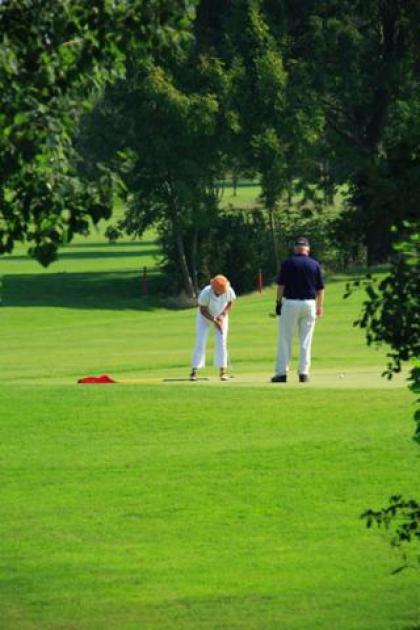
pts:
pixel 235 183
pixel 186 276
pixel 379 240
pixel 326 184
pixel 272 219
pixel 194 248
pixel 374 216
pixel 179 241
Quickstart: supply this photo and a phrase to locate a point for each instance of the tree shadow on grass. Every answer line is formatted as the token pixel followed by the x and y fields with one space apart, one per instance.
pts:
pixel 117 244
pixel 81 255
pixel 353 275
pixel 116 290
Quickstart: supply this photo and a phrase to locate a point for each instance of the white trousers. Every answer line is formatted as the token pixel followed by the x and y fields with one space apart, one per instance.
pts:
pixel 203 326
pixel 300 315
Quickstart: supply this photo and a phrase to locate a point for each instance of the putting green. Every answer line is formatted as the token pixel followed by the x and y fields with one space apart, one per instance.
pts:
pixel 330 379
pixel 366 378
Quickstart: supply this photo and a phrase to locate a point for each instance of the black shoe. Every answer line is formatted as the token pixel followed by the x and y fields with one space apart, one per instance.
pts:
pixel 224 376
pixel 193 375
pixel 303 378
pixel 279 378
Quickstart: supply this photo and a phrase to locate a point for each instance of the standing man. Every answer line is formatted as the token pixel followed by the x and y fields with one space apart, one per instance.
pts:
pixel 300 300
pixel 214 304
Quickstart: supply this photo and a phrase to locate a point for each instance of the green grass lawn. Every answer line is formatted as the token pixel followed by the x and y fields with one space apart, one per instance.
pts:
pixel 246 195
pixel 158 503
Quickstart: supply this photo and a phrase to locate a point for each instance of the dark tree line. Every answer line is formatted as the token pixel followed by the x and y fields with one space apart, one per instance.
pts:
pixel 159 101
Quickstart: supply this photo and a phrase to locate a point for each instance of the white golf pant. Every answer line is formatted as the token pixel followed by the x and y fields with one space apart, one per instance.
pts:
pixel 300 315
pixel 203 326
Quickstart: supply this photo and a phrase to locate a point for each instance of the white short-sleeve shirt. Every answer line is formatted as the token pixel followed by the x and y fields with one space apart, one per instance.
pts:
pixel 215 303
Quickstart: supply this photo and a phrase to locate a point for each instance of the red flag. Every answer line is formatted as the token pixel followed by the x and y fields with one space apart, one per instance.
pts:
pixel 96 379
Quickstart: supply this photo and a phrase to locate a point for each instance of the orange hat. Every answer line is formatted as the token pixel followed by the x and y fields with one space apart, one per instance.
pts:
pixel 220 284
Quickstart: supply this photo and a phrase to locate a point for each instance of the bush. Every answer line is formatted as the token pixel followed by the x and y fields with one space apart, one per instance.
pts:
pixel 319 226
pixel 237 244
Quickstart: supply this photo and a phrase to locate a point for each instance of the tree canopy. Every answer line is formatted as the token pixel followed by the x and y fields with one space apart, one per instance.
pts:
pixel 55 57
pixel 309 96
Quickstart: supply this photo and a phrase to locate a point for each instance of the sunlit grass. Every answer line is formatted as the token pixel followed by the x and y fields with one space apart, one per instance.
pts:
pixel 167 504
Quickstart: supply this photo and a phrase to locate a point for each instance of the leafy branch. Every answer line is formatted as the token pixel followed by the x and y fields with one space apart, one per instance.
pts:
pixel 403 518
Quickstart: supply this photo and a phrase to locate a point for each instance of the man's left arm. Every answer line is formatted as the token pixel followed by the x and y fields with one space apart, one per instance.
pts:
pixel 223 314
pixel 320 302
pixel 320 293
pixel 227 308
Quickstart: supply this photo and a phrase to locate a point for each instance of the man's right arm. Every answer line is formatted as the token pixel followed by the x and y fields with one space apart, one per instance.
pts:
pixel 205 313
pixel 280 291
pixel 281 284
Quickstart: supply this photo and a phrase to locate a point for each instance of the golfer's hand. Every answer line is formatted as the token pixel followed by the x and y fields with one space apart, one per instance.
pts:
pixel 319 311
pixel 218 322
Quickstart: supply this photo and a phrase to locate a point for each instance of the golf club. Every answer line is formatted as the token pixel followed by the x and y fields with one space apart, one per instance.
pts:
pixel 230 366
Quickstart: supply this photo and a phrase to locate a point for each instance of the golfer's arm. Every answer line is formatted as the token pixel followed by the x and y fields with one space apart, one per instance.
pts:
pixel 280 291
pixel 320 299
pixel 227 308
pixel 205 313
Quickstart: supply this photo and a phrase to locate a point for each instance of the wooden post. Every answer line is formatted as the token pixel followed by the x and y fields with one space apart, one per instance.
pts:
pixel 144 281
pixel 259 282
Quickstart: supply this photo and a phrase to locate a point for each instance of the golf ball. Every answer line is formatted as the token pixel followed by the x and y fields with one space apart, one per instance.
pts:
pixel 341 375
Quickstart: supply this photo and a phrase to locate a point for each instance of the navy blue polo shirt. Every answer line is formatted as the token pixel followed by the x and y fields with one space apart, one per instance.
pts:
pixel 301 276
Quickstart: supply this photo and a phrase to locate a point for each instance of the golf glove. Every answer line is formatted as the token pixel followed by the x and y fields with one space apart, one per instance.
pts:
pixel 278 307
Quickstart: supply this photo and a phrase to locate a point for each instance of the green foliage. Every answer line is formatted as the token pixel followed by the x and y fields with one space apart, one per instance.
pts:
pixel 279 94
pixel 390 314
pixel 359 61
pixel 164 135
pixel 404 517
pixel 268 130
pixel 311 218
pixel 46 72
pixel 236 243
pixel 55 58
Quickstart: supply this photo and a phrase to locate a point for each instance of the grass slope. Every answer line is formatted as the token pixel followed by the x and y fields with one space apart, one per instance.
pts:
pixel 159 507
pixel 163 504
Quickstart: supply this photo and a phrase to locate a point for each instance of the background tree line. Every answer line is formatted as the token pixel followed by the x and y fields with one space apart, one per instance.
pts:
pixel 160 101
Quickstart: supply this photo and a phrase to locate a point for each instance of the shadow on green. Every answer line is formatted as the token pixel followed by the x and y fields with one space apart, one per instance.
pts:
pixel 91 290
pixel 80 255
pixel 118 244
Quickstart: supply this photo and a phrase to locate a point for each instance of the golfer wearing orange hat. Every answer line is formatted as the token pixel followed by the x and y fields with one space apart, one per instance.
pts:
pixel 214 304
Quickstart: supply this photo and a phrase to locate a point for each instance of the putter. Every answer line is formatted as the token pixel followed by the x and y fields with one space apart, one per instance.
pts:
pixel 182 380
pixel 229 362
pixel 230 368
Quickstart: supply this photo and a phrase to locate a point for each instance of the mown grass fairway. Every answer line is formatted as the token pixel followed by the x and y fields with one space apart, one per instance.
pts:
pixel 165 504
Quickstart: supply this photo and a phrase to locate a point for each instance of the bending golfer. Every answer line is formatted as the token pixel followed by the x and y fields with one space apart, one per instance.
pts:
pixel 214 304
pixel 300 300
